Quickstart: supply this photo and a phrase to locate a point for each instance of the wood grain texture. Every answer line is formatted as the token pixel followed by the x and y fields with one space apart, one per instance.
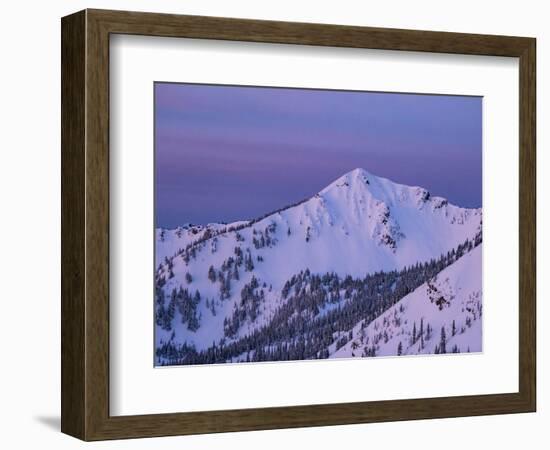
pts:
pixel 527 224
pixel 152 24
pixel 73 108
pixel 85 224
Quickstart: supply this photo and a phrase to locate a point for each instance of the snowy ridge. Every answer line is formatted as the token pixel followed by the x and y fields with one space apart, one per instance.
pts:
pixel 451 301
pixel 169 241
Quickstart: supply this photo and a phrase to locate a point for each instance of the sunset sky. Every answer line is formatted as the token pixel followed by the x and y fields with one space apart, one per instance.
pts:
pixel 226 153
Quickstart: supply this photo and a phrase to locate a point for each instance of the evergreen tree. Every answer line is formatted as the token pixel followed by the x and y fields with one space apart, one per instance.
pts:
pixel 399 349
pixel 212 274
pixel 422 333
pixel 213 307
pixel 428 332
pixel 248 264
pixel 443 341
pixel 172 305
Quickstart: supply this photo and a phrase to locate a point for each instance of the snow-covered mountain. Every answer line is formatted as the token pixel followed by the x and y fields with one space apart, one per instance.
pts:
pixel 221 283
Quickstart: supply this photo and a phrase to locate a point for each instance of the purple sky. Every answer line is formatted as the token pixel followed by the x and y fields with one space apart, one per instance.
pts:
pixel 226 153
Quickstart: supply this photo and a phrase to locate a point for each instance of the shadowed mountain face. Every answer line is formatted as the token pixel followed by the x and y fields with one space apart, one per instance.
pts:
pixel 360 224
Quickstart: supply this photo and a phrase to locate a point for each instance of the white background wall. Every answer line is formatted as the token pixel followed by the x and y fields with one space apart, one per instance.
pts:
pixel 30 221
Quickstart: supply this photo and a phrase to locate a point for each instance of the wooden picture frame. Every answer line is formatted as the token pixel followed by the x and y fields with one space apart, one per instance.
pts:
pixel 85 224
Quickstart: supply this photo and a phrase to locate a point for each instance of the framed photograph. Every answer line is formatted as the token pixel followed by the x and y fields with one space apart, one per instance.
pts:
pixel 273 225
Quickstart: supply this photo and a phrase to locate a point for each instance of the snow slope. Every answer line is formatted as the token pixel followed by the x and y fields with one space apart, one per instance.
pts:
pixel 455 294
pixel 358 224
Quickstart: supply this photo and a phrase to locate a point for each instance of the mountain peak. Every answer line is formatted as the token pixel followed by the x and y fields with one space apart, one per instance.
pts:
pixel 361 185
pixel 354 178
pixel 358 173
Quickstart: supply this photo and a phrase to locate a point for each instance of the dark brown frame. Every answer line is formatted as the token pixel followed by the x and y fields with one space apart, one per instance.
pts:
pixel 85 224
